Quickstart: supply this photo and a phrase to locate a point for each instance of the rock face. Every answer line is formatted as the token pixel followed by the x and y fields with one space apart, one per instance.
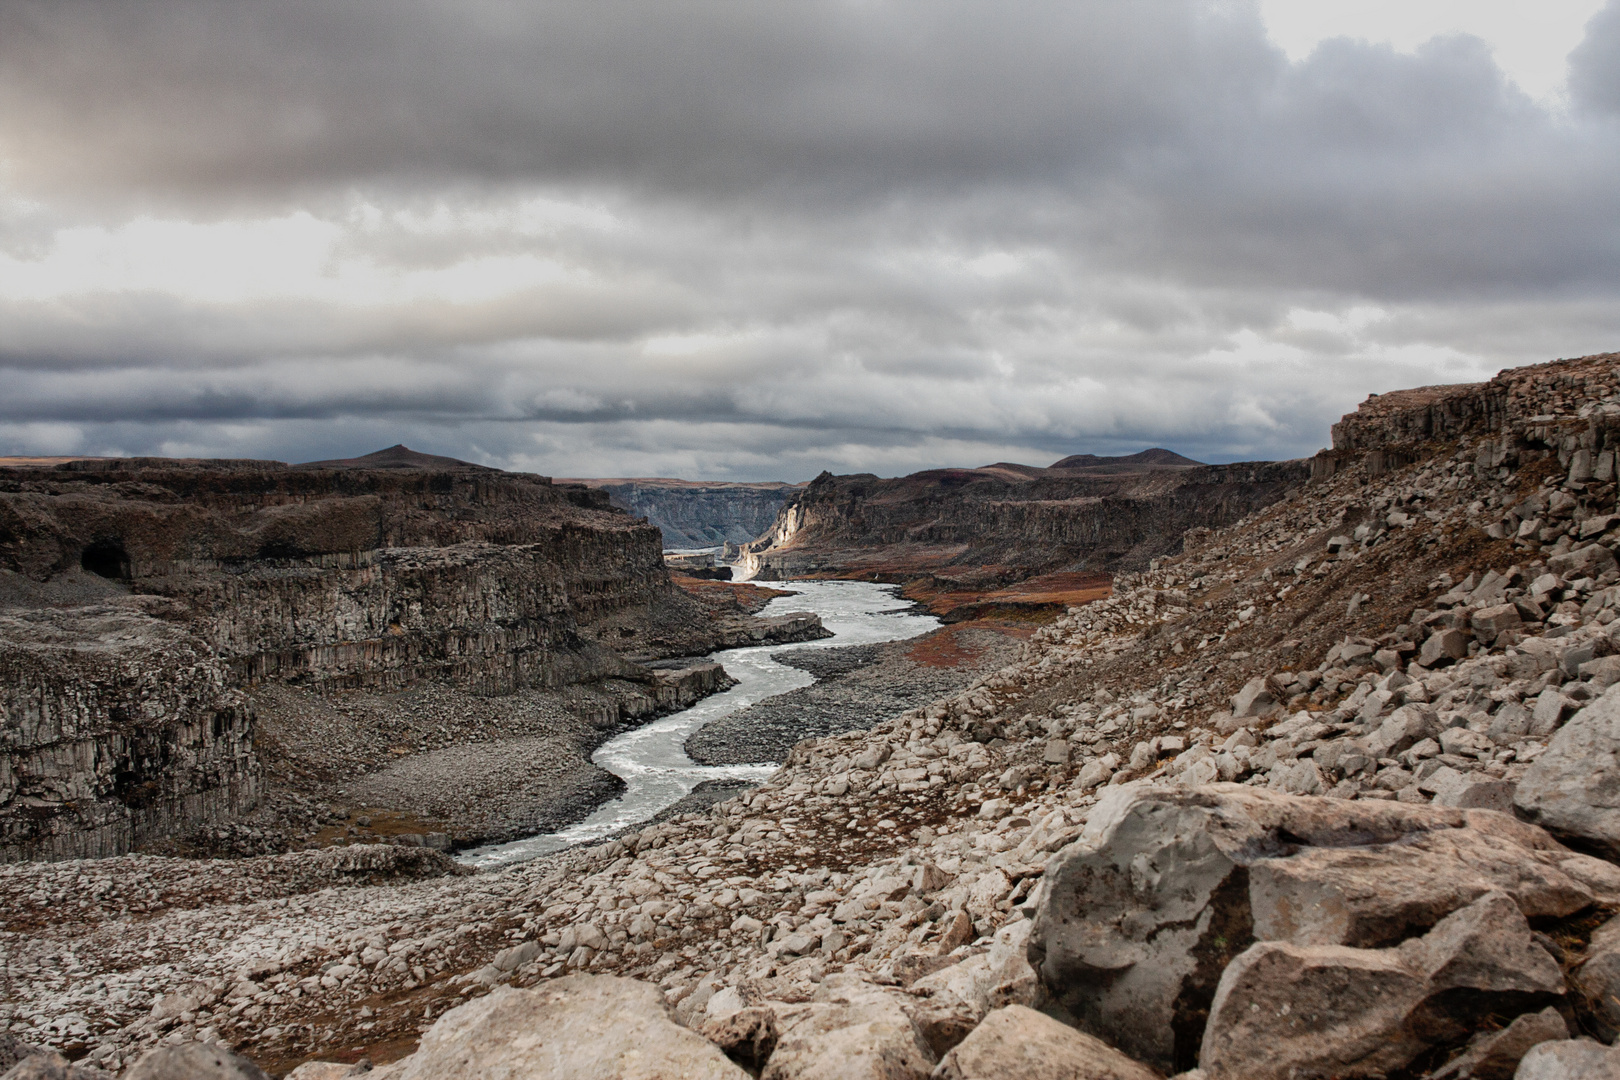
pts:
pixel 1097 514
pixel 693 514
pixel 137 597
pixel 1137 921
pixel 120 727
pixel 1573 790
pixel 580 1028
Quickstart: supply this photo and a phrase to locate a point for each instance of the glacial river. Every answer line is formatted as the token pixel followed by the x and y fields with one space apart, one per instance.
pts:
pixel 650 759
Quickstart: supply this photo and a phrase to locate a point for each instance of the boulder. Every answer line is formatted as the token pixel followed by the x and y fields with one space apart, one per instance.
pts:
pixel 1404 727
pixel 1495 1055
pixel 1603 672
pixel 584 1027
pixel 1490 621
pixel 1478 793
pixel 1548 712
pixel 1570 1059
pixel 1285 1010
pixel 40 1064
pixel 1016 1043
pixel 1444 647
pixel 194 1061
pixel 1136 920
pixel 1573 789
pixel 14 1050
pixel 1255 699
pixel 325 1070
pixel 988 980
pixel 851 1031
pixel 1589 561
pixel 1598 976
pixel 515 957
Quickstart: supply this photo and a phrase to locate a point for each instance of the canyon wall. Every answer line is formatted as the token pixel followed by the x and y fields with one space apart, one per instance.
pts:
pixel 1552 411
pixel 138 598
pixel 1084 513
pixel 697 514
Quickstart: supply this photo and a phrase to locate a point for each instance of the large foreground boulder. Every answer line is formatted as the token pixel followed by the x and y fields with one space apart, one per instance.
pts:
pixel 1137 920
pixel 586 1027
pixel 1573 789
pixel 1283 1011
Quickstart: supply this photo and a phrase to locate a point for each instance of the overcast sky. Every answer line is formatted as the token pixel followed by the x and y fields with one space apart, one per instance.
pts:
pixel 754 240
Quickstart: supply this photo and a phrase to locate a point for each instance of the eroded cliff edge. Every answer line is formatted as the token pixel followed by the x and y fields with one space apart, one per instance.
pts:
pixel 147 605
pixel 978 529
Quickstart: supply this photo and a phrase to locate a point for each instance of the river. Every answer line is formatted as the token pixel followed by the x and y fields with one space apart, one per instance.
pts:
pixel 651 760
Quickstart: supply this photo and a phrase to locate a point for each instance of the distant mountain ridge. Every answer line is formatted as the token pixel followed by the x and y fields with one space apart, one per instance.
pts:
pixel 1158 455
pixel 398 456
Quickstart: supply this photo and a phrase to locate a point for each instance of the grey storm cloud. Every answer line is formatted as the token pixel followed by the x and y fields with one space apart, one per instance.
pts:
pixel 755 240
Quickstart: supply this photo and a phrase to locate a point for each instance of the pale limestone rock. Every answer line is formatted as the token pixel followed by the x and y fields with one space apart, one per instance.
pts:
pixel 1570 1059
pixel 852 1031
pixel 194 1061
pixel 323 1070
pixel 585 1027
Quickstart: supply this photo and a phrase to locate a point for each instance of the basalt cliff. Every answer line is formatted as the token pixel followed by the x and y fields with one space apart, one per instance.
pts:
pixel 146 603
pixel 1326 792
pixel 1004 523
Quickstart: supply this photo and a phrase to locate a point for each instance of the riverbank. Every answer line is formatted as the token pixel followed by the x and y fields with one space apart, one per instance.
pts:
pixel 437 765
pixel 651 760
pixel 856 688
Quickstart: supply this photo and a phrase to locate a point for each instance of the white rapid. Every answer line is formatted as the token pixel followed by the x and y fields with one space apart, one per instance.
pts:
pixel 650 759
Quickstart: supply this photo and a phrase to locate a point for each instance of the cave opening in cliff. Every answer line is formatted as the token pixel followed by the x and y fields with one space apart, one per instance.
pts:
pixel 106 558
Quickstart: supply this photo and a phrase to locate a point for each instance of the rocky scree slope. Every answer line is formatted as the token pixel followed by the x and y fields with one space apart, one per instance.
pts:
pixel 1004 523
pixel 1325 795
pixel 142 601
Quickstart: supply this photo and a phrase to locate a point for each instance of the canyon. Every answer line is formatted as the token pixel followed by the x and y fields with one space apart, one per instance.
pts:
pixel 1320 789
pixel 156 614
pixel 1008 537
pixel 695 513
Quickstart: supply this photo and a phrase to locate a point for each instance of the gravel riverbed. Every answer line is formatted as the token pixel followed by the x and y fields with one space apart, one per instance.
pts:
pixel 857 687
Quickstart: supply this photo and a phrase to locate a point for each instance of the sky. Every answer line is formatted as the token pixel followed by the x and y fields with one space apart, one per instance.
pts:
pixel 753 241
